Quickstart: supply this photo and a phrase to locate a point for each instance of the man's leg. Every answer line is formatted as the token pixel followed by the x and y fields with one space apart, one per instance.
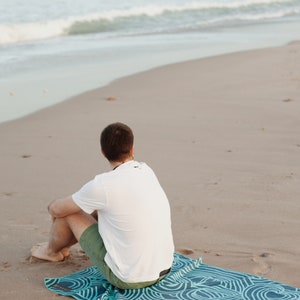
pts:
pixel 65 232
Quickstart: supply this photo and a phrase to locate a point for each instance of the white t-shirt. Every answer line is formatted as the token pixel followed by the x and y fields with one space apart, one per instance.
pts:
pixel 134 220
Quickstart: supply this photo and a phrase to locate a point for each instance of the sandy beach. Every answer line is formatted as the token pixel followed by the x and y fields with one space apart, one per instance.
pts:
pixel 221 133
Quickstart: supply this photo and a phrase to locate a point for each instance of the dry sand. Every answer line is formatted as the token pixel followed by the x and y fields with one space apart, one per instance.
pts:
pixel 222 134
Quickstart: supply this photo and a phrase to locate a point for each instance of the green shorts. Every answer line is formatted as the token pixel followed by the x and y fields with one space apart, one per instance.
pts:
pixel 91 242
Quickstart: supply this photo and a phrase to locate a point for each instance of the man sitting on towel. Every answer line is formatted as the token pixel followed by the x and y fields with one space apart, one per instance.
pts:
pixel 130 240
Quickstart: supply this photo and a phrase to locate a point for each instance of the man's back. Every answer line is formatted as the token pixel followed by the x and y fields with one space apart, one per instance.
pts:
pixel 134 221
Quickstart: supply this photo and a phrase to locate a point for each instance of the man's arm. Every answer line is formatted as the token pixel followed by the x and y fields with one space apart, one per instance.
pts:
pixel 63 207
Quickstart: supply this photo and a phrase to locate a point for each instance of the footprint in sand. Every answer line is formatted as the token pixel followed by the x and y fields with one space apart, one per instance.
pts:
pixel 185 251
pixel 262 267
pixel 6 265
pixel 8 194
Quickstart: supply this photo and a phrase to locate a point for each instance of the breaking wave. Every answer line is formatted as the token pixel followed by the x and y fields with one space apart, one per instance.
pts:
pixel 152 19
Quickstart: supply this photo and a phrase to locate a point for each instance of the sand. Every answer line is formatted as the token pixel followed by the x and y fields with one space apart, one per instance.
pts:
pixel 222 134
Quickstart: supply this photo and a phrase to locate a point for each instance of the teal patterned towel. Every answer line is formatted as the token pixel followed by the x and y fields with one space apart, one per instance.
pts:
pixel 189 279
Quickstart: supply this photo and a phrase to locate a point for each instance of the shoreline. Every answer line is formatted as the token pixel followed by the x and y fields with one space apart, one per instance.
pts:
pixel 221 133
pixel 51 79
pixel 150 69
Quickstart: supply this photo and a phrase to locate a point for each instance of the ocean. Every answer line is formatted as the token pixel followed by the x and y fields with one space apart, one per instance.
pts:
pixel 53 50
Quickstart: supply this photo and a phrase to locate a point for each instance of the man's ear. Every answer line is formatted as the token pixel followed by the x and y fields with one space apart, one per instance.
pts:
pixel 132 151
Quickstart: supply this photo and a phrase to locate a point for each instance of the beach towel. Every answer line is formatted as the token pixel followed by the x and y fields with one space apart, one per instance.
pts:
pixel 188 279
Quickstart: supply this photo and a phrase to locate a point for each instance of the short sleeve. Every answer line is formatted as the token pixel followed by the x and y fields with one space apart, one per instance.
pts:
pixel 91 196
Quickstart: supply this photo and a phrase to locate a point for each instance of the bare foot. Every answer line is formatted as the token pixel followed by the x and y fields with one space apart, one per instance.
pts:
pixel 66 251
pixel 41 251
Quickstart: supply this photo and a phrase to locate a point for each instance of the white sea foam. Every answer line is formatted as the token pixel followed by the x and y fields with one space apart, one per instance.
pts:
pixel 13 33
pixel 118 20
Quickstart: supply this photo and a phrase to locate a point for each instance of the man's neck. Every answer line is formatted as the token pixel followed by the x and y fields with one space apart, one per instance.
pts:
pixel 116 164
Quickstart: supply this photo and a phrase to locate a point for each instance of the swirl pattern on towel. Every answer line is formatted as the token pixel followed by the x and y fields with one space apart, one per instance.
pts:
pixel 189 279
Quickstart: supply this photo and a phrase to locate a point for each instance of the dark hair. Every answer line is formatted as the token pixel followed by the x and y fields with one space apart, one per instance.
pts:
pixel 116 141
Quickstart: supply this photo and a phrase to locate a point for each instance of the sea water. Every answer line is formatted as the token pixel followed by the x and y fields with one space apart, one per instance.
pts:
pixel 52 50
